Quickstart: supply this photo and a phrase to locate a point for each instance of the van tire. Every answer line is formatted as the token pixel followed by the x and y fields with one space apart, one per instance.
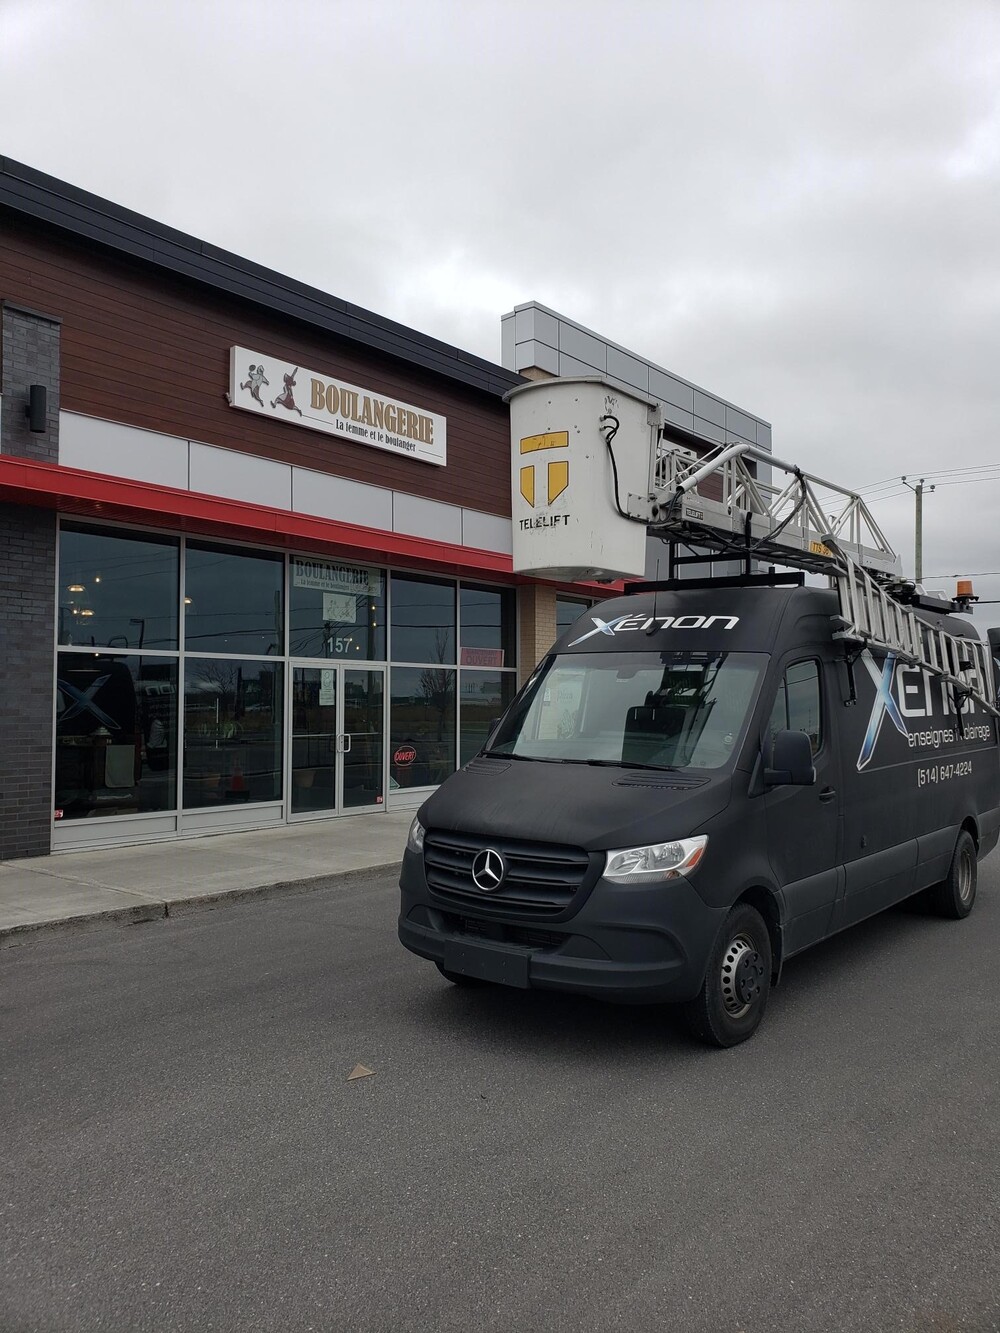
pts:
pixel 731 1003
pixel 458 978
pixel 955 895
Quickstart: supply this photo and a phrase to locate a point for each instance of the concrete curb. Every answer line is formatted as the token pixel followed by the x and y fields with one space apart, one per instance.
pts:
pixel 164 909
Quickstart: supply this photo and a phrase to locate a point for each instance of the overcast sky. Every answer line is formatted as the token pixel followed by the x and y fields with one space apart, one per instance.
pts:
pixel 794 205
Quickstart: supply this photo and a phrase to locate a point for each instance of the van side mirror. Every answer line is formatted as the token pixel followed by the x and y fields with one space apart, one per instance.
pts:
pixel 791 761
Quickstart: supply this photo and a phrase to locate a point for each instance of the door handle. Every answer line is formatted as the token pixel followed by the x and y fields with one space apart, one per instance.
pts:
pixel 828 793
pixel 347 743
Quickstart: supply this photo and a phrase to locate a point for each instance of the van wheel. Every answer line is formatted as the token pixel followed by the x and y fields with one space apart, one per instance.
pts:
pixel 731 1003
pixel 956 893
pixel 458 978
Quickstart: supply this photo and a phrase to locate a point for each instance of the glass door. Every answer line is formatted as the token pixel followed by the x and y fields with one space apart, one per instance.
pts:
pixel 314 748
pixel 363 738
pixel 337 743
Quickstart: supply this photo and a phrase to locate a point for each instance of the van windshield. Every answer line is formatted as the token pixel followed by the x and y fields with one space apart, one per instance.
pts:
pixel 648 710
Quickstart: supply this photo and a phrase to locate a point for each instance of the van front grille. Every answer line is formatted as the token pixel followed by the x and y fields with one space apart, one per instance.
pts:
pixel 541 878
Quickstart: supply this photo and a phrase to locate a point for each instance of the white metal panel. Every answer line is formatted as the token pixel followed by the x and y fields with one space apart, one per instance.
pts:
pixel 240 476
pixel 486 532
pixel 337 498
pixel 115 450
pixel 426 518
pixel 123 830
pixel 230 819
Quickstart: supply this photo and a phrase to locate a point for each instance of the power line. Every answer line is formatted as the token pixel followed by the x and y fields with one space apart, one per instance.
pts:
pixel 988 468
pixel 976 574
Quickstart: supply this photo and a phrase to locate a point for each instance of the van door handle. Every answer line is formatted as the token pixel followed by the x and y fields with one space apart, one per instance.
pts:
pixel 828 793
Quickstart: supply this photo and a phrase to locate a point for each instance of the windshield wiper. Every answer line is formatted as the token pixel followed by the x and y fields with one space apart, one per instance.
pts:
pixel 626 763
pixel 527 758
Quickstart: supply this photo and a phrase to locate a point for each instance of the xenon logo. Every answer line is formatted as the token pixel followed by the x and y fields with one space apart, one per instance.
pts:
pixel 884 703
pixel 914 698
pixel 627 623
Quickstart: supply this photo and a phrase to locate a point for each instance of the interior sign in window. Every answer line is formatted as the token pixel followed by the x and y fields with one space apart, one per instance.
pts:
pixel 271 387
pixel 327 576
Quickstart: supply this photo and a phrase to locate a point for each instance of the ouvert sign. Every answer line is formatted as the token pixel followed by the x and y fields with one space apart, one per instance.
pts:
pixel 271 387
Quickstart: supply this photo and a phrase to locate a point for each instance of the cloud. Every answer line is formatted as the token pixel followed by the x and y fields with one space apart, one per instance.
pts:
pixel 792 204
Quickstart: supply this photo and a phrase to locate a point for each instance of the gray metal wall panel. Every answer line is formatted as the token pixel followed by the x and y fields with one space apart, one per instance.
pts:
pixel 569 365
pixel 583 347
pixel 669 389
pixel 630 369
pixel 122 451
pixel 426 518
pixel 709 408
pixel 486 532
pixel 337 498
pixel 240 476
pixel 540 355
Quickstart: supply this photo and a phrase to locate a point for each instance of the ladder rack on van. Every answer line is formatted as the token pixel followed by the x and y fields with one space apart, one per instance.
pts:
pixel 872 617
pixel 723 504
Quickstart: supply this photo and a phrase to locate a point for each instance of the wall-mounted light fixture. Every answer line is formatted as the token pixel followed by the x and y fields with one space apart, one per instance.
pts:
pixel 36 408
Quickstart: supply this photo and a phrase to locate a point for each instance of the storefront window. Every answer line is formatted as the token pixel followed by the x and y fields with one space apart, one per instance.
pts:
pixel 423 620
pixel 487 626
pixel 233 601
pixel 117 592
pixel 421 725
pixel 484 696
pixel 232 731
pixel 116 735
pixel 568 610
pixel 336 610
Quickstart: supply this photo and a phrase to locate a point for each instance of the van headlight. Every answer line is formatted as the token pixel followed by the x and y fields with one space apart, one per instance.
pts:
pixel 659 860
pixel 415 837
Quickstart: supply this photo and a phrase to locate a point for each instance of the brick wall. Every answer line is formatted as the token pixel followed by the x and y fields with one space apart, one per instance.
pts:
pixel 30 356
pixel 30 343
pixel 537 607
pixel 27 579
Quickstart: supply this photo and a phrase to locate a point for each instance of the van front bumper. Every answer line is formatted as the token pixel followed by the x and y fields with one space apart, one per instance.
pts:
pixel 637 944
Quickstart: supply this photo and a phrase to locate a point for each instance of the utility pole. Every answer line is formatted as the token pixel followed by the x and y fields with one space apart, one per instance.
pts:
pixel 918 542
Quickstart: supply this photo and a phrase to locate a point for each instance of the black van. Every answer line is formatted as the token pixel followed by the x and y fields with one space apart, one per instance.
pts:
pixel 693 786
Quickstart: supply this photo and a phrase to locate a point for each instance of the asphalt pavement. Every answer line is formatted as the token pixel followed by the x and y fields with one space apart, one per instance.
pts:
pixel 184 1148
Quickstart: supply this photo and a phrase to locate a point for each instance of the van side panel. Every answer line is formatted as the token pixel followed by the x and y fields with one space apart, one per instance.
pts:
pixel 914 767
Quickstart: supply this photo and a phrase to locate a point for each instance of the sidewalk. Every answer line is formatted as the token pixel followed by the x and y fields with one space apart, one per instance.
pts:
pixel 140 883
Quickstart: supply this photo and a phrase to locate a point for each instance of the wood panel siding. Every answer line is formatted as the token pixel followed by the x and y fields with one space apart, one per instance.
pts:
pixel 150 350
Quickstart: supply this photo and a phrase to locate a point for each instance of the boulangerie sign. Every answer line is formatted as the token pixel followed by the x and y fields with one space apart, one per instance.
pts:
pixel 274 388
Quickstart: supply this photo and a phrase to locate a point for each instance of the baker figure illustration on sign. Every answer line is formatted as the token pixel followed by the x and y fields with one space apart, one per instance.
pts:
pixel 255 378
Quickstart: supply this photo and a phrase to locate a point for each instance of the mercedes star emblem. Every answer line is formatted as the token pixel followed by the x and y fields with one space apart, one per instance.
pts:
pixel 488 871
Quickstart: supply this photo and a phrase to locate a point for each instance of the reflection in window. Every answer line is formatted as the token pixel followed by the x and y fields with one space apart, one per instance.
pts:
pixel 568 610
pixel 117 592
pixel 233 601
pixel 116 735
pixel 232 731
pixel 484 696
pixel 661 710
pixel 336 610
pixel 422 725
pixel 488 620
pixel 423 620
pixel 797 706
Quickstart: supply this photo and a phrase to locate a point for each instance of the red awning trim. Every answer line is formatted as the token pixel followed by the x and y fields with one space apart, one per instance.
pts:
pixel 74 491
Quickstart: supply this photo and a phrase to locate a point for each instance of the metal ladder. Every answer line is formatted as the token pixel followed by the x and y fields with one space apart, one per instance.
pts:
pixel 814 525
pixel 872 617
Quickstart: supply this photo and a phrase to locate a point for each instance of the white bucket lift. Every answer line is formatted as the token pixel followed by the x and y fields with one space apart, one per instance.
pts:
pixel 566 524
pixel 592 474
